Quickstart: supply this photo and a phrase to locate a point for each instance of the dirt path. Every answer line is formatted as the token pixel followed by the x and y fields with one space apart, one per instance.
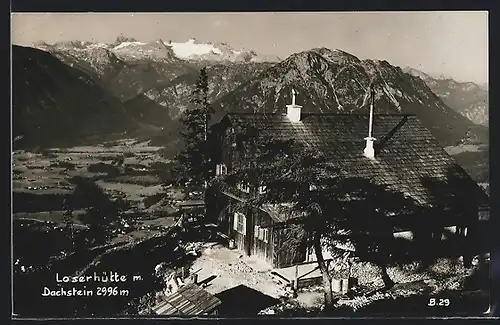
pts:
pixel 231 271
pixel 310 299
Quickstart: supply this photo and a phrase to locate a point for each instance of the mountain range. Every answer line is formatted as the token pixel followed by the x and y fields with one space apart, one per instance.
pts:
pixel 71 90
pixel 467 98
pixel 53 103
pixel 129 49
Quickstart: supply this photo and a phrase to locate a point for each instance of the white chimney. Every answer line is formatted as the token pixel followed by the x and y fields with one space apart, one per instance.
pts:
pixel 293 111
pixel 369 149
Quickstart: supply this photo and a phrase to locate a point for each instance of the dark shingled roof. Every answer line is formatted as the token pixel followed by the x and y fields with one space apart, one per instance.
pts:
pixel 188 300
pixel 408 157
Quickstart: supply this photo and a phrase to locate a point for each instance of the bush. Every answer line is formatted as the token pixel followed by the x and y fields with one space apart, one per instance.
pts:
pixel 110 170
pixel 47 153
pixel 63 164
pixel 369 274
pixel 153 199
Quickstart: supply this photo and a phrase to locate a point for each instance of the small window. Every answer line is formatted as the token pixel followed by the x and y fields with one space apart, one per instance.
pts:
pixel 256 231
pixel 266 235
pixel 240 223
pixel 313 187
pixel 261 234
pixel 262 189
pixel 220 169
pixel 483 214
pixel 244 188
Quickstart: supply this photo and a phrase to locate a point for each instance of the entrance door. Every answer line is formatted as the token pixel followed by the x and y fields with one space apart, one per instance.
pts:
pixel 240 230
pixel 260 245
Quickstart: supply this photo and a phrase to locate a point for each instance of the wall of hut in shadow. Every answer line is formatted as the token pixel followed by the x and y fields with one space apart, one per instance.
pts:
pixel 390 225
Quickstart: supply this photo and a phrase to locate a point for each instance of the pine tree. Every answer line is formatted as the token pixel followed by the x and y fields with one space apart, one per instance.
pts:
pixel 194 159
pixel 68 224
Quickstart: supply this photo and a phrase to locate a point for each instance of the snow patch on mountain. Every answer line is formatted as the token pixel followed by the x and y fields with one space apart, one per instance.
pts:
pixel 129 49
pixel 98 45
pixel 190 48
pixel 125 44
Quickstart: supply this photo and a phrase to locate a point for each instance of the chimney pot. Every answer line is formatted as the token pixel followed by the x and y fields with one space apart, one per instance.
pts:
pixel 369 151
pixel 294 111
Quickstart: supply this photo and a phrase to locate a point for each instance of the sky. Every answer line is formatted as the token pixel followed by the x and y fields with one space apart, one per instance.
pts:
pixel 451 44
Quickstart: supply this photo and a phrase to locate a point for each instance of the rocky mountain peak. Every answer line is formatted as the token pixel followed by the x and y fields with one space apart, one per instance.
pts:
pixel 467 98
pixel 196 41
pixel 336 56
pixel 416 73
pixel 130 49
pixel 336 81
pixel 39 43
pixel 157 41
pixel 154 50
pixel 305 60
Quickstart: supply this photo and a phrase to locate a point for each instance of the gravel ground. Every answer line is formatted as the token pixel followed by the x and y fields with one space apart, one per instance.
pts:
pixel 444 275
pixel 310 299
pixel 231 270
pixel 369 274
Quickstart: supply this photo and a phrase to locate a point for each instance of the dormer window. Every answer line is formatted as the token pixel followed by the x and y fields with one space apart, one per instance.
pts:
pixel 220 169
pixel 244 187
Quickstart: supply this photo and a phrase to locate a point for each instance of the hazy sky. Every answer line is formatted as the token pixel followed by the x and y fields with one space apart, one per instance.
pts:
pixel 449 43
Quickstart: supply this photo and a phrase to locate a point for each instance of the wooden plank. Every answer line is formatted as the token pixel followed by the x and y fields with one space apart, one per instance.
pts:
pixel 167 309
pixel 177 302
pixel 193 300
pixel 201 304
pixel 190 310
pixel 188 304
pixel 184 306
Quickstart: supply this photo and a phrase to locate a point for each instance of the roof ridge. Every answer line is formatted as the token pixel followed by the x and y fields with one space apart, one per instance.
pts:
pixel 324 114
pixel 360 114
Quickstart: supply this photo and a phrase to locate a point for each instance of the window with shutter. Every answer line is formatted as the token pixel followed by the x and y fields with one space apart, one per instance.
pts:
pixel 240 223
pixel 266 235
pixel 244 227
pixel 220 169
pixel 261 233
pixel 244 187
pixel 235 221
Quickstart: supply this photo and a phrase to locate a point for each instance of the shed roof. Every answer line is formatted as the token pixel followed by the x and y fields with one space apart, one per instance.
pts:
pixel 188 300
